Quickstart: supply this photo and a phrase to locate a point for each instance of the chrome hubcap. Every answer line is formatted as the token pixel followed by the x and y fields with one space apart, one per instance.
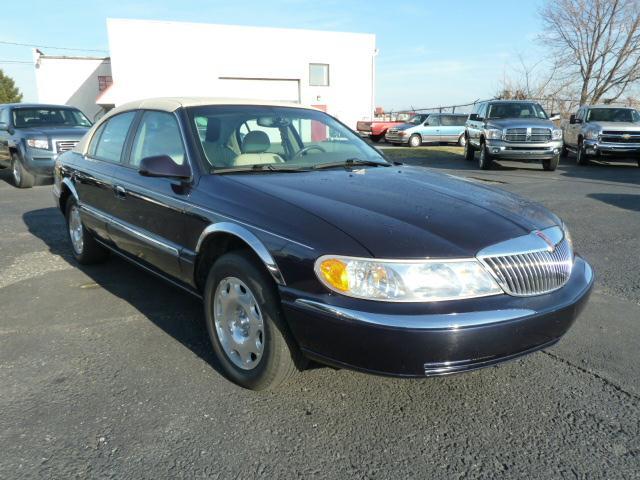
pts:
pixel 75 230
pixel 238 322
pixel 16 172
pixel 463 141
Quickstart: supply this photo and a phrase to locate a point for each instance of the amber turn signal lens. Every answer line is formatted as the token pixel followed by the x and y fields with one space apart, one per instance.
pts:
pixel 335 273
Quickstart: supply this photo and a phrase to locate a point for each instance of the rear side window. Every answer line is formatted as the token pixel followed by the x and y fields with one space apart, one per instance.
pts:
pixel 108 141
pixel 453 120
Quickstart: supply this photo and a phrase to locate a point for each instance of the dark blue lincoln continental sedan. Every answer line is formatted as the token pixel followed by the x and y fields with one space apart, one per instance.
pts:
pixel 306 244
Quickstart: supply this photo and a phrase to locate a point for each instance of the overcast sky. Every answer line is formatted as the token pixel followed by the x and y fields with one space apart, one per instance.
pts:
pixel 430 52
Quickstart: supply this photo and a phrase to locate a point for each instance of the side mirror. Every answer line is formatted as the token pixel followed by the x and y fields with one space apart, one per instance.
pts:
pixel 473 117
pixel 4 127
pixel 573 120
pixel 163 166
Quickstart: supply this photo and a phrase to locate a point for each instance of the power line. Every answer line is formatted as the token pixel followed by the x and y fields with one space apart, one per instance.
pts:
pixel 16 62
pixel 52 47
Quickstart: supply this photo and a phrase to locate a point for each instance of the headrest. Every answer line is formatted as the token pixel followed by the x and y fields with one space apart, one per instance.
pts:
pixel 213 129
pixel 255 142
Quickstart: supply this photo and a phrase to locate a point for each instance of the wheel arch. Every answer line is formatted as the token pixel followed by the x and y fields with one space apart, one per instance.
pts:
pixel 222 237
pixel 67 189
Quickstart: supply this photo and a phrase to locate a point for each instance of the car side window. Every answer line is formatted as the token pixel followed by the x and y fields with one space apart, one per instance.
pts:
pixel 158 134
pixel 482 111
pixel 4 116
pixel 433 120
pixel 108 141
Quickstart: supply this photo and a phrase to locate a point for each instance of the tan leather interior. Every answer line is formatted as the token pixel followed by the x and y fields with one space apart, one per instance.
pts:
pixel 254 150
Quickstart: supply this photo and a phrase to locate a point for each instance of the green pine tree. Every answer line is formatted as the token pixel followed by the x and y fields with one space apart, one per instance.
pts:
pixel 9 93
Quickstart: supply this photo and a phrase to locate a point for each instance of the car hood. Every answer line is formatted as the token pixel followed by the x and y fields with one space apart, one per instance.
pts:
pixel 621 126
pixel 404 126
pixel 55 132
pixel 405 212
pixel 520 123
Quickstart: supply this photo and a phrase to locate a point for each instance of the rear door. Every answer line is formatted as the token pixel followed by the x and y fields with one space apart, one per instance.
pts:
pixel 430 130
pixel 452 126
pixel 150 211
pixel 93 174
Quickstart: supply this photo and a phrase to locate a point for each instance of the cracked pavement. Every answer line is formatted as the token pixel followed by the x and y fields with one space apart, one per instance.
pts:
pixel 106 372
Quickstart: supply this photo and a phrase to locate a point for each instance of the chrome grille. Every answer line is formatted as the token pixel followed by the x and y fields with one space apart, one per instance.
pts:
pixel 620 136
pixel 527 135
pixel 532 273
pixel 65 145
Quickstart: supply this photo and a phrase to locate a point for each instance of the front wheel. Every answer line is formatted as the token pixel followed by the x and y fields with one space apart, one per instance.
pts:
pixel 485 160
pixel 550 164
pixel 85 248
pixel 581 156
pixel 462 141
pixel 21 177
pixel 415 140
pixel 248 332
pixel 469 152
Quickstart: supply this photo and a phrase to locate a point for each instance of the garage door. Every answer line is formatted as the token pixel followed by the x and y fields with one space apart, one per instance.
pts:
pixel 260 88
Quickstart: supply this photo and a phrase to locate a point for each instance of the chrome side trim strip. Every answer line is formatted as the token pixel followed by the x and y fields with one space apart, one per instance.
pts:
pixel 142 235
pixel 451 321
pixel 254 242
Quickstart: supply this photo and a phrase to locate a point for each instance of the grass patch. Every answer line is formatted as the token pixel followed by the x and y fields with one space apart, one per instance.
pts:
pixel 435 152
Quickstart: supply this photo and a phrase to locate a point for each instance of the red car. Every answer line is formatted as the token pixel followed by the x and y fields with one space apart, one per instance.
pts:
pixel 376 129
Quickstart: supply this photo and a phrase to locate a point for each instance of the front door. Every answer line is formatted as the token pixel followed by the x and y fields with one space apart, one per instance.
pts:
pixel 430 131
pixel 4 137
pixel 150 211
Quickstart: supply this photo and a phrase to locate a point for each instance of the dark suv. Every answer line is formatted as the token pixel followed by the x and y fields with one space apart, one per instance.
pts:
pixel 32 136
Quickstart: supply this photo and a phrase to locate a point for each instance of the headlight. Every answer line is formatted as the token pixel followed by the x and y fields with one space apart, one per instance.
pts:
pixel 592 134
pixel 494 134
pixel 405 281
pixel 556 134
pixel 42 144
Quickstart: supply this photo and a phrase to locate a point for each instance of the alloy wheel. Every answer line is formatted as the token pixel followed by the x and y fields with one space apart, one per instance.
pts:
pixel 75 230
pixel 239 323
pixel 17 173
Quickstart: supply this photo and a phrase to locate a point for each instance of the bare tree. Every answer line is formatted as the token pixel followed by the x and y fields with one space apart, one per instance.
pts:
pixel 532 80
pixel 596 42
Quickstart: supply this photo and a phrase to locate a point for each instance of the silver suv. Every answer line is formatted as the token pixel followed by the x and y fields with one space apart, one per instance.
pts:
pixel 512 130
pixel 603 130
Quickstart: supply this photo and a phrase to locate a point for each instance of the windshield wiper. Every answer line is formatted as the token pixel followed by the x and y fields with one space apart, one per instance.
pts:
pixel 258 168
pixel 350 162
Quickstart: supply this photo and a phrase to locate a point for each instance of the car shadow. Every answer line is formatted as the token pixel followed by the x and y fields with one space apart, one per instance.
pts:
pixel 627 201
pixel 176 312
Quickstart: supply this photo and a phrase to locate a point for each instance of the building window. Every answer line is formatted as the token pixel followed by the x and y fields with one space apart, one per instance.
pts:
pixel 318 74
pixel 104 82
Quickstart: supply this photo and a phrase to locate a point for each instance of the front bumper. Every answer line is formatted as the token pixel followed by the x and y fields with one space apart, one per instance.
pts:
pixel 433 339
pixel 39 162
pixel 596 147
pixel 394 137
pixel 524 151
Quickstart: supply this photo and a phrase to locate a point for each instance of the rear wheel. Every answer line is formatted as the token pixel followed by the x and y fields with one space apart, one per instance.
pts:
pixel 376 138
pixel 462 141
pixel 485 160
pixel 550 164
pixel 85 248
pixel 415 140
pixel 581 156
pixel 248 332
pixel 21 177
pixel 469 152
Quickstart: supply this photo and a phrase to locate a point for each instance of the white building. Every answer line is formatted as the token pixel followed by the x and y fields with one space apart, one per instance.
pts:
pixel 75 81
pixel 330 70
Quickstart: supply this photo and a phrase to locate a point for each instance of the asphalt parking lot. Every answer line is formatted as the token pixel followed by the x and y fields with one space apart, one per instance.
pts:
pixel 106 372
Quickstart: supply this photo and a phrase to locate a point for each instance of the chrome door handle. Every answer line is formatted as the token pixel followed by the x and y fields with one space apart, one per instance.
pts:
pixel 120 191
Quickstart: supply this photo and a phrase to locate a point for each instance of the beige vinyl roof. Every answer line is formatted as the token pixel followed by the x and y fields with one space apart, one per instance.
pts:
pixel 171 104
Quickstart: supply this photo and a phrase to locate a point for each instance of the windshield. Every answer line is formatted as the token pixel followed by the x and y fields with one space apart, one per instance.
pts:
pixel 516 110
pixel 613 115
pixel 245 137
pixel 417 119
pixel 49 117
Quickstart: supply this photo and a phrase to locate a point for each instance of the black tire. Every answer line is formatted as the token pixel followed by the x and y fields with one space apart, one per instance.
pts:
pixel 21 177
pixel 415 140
pixel 550 164
pixel 376 138
pixel 485 161
pixel 469 151
pixel 581 156
pixel 278 358
pixel 564 153
pixel 90 252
